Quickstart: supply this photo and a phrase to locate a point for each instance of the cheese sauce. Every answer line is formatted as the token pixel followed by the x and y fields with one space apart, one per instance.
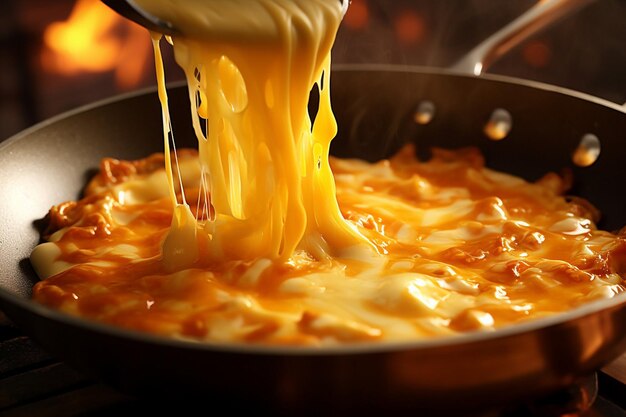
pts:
pixel 252 239
pixel 463 248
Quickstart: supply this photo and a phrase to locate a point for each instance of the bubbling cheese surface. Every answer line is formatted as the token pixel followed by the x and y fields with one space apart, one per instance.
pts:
pixel 463 248
pixel 252 239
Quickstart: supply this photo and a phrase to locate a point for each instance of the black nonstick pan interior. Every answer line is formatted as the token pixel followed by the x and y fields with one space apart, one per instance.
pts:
pixel 375 109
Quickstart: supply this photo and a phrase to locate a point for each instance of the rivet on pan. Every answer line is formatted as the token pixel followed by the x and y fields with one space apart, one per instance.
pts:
pixel 425 112
pixel 499 124
pixel 588 151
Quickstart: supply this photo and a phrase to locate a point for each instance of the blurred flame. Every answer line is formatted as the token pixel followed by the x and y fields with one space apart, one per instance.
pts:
pixel 537 54
pixel 96 39
pixel 410 27
pixel 358 15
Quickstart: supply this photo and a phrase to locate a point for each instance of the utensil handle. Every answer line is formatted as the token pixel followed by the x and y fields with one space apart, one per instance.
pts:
pixel 538 17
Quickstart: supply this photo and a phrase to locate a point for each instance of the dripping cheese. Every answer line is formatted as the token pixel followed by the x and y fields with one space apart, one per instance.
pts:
pixel 251 238
pixel 264 165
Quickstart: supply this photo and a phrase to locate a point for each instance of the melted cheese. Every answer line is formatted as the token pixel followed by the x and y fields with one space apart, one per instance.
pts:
pixel 252 239
pixel 464 248
pixel 250 68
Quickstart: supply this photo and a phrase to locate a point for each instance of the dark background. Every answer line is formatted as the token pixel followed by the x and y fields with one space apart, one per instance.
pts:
pixel 586 51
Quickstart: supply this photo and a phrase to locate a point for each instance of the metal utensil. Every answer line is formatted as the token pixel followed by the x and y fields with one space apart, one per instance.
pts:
pixel 535 19
pixel 131 11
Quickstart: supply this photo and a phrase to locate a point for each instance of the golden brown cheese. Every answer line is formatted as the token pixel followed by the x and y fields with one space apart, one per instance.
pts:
pixel 463 248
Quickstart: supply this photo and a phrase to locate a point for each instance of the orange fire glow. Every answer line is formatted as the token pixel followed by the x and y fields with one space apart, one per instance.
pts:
pixel 95 39
pixel 537 54
pixel 410 27
pixel 357 16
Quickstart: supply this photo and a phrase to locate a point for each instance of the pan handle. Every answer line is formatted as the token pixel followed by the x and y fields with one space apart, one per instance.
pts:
pixel 542 14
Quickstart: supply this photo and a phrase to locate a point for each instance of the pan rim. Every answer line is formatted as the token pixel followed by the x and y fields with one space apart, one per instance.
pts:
pixel 586 309
pixel 505 79
pixel 336 68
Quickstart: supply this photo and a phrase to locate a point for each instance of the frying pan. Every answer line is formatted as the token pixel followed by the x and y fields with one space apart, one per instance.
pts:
pixel 375 108
pixel 50 163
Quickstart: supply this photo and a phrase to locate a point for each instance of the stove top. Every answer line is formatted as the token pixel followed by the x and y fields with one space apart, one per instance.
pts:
pixel 33 383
